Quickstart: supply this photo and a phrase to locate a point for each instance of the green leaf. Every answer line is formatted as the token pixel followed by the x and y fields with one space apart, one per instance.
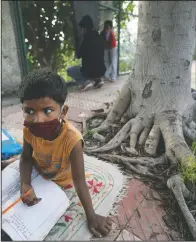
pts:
pixel 61 225
pixel 194 147
pixel 130 7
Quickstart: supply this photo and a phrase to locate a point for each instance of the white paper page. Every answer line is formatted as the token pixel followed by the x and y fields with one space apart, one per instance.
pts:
pixel 4 137
pixel 34 223
pixel 53 219
pixel 11 180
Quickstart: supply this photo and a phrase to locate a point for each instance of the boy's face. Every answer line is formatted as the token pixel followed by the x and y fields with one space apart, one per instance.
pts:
pixel 42 110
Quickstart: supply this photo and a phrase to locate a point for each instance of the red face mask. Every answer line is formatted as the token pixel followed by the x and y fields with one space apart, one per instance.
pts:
pixel 44 129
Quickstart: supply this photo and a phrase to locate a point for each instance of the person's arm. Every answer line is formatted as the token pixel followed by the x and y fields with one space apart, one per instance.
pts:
pixel 80 50
pixel 78 174
pixel 83 46
pixel 78 53
pixel 98 225
pixel 26 166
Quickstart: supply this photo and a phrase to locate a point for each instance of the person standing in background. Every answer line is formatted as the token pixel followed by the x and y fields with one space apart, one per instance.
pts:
pixel 91 51
pixel 110 52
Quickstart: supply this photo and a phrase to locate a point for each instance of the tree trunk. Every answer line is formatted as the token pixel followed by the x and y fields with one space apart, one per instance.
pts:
pixel 157 95
pixel 156 100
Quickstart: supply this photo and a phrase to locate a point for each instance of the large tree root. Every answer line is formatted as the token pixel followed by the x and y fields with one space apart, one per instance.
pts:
pixel 139 166
pixel 192 125
pixel 116 141
pixel 180 191
pixel 147 133
pixel 120 108
pixel 144 161
pixel 189 133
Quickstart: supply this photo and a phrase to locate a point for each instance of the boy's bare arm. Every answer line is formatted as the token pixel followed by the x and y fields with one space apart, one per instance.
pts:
pixel 78 174
pixel 98 225
pixel 26 166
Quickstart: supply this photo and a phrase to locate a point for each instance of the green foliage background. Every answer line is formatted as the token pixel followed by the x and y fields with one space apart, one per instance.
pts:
pixel 49 34
pixel 189 172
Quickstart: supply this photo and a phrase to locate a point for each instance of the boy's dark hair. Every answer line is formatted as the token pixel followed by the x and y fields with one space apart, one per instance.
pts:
pixel 86 22
pixel 108 23
pixel 43 83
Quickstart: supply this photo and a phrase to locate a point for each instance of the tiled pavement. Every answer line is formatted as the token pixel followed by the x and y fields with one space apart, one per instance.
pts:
pixel 139 214
pixel 95 98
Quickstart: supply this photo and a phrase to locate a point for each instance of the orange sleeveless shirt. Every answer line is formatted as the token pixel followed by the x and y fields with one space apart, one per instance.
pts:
pixel 52 157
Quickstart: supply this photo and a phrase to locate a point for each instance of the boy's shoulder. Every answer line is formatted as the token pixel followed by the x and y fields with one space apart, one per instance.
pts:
pixel 70 136
pixel 70 130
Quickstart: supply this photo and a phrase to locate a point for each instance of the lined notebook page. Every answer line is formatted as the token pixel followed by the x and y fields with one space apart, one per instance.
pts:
pixel 30 223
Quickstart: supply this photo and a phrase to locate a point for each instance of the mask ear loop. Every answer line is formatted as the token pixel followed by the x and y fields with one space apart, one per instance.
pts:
pixel 59 118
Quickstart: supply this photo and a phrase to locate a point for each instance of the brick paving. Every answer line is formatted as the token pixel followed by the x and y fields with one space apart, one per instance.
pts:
pixel 140 214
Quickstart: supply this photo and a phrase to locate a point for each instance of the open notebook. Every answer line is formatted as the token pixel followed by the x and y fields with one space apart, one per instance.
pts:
pixel 30 223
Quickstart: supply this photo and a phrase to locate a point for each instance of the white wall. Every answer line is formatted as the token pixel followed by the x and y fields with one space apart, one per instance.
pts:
pixel 105 14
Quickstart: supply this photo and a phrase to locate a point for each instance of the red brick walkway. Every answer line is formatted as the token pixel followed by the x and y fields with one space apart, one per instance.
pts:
pixel 139 213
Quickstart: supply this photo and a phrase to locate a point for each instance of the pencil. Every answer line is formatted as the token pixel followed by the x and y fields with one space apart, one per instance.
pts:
pixel 14 203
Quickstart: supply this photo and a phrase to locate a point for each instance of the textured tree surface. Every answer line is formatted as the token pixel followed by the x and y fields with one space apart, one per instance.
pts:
pixel 153 119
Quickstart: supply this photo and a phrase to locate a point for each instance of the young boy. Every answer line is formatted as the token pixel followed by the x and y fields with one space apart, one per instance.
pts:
pixel 52 144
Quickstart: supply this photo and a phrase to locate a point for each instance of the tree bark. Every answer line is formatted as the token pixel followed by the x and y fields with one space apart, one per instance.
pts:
pixel 161 74
pixel 158 92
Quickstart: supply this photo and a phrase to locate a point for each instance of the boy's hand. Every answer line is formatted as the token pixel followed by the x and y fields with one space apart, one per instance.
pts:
pixel 31 198
pixel 99 226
